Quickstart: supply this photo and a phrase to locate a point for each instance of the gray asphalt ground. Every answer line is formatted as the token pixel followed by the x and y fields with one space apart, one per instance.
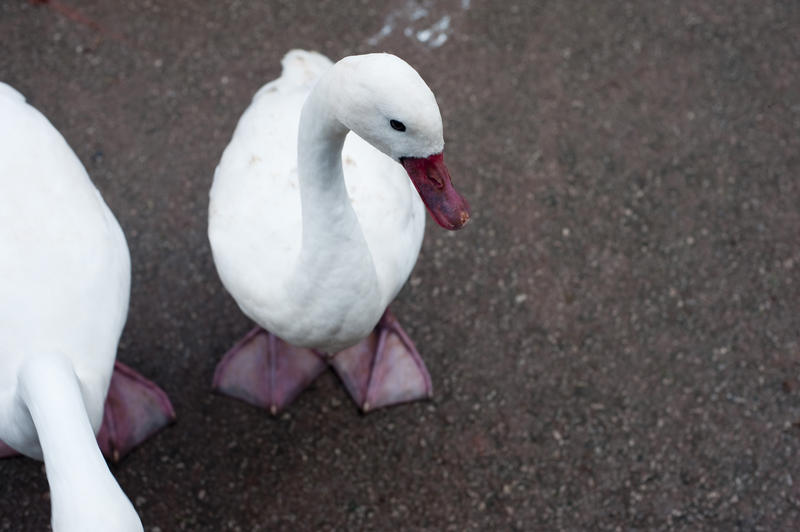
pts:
pixel 614 340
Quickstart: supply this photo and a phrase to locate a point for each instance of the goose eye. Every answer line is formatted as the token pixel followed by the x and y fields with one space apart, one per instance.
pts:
pixel 397 125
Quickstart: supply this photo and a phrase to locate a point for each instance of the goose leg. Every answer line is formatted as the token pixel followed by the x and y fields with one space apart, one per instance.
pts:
pixel 135 409
pixel 265 371
pixel 384 368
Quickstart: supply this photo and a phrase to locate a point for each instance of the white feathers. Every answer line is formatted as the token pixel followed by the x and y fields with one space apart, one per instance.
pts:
pixel 64 285
pixel 321 275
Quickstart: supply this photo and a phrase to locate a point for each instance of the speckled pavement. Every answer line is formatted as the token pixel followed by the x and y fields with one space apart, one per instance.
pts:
pixel 615 338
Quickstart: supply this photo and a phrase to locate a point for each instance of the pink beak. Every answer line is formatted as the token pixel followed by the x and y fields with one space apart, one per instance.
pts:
pixel 430 176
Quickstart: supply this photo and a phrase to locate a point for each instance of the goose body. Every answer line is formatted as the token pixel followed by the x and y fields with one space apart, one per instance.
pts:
pixel 314 229
pixel 64 288
pixel 64 264
pixel 256 223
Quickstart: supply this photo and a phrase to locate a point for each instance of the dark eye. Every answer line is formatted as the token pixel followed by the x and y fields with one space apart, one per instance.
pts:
pixel 399 126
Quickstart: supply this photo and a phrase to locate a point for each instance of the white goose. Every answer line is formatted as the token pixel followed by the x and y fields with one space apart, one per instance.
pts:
pixel 64 285
pixel 315 231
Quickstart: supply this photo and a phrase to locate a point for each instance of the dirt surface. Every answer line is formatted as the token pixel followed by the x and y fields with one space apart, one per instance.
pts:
pixel 614 340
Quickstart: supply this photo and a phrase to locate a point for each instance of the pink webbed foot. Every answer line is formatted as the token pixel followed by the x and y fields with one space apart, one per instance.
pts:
pixel 135 409
pixel 265 371
pixel 6 451
pixel 383 369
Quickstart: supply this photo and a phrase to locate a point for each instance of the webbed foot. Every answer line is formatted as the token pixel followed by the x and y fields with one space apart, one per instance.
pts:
pixel 135 409
pixel 265 371
pixel 383 369
pixel 6 451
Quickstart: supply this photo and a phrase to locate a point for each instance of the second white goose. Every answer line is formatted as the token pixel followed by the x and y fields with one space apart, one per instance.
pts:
pixel 314 230
pixel 64 286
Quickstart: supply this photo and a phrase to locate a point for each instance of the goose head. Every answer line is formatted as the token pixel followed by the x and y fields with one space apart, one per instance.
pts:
pixel 384 100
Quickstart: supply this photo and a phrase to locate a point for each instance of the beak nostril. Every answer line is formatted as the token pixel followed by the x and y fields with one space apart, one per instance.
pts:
pixel 436 177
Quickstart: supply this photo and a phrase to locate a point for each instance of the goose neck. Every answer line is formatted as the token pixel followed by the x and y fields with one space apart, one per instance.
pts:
pixel 82 490
pixel 327 213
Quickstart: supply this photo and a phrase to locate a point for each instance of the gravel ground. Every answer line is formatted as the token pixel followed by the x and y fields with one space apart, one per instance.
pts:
pixel 614 340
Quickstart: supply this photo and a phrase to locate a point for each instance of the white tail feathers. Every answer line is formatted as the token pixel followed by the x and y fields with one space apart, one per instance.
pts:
pixel 301 67
pixel 8 91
